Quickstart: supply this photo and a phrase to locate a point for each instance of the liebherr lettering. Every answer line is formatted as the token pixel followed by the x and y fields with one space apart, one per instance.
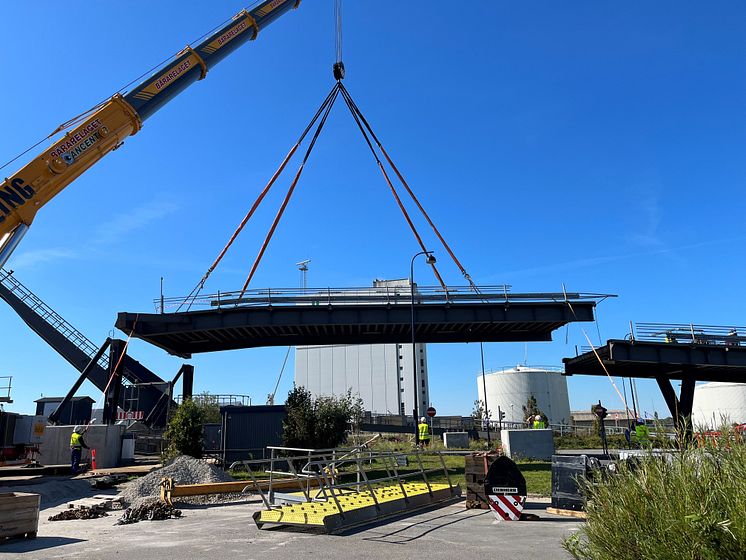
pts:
pixel 13 194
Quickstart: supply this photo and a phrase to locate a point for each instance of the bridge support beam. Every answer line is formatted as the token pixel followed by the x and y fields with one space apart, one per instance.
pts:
pixel 55 416
pixel 681 406
pixel 117 351
pixel 187 384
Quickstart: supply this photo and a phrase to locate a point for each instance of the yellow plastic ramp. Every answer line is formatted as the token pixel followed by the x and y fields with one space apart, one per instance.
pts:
pixel 356 508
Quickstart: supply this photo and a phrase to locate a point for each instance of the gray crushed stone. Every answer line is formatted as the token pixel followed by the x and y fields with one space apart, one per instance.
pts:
pixel 183 469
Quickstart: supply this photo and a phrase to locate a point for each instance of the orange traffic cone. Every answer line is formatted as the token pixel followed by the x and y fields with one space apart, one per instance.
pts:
pixel 93 459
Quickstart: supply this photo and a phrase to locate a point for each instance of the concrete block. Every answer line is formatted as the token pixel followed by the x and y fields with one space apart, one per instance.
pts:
pixel 456 440
pixel 106 440
pixel 528 444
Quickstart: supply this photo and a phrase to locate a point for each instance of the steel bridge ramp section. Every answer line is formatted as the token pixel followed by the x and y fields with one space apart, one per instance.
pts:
pixel 357 508
pixel 352 319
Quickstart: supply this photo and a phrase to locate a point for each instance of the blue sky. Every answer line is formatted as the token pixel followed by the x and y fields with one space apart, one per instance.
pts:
pixel 597 145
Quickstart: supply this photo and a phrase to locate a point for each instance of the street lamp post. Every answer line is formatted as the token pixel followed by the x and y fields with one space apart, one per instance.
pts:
pixel 430 260
pixel 484 388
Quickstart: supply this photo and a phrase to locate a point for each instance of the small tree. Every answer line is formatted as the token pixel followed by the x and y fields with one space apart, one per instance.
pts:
pixel 297 427
pixel 322 423
pixel 184 431
pixel 531 409
pixel 211 407
pixel 479 411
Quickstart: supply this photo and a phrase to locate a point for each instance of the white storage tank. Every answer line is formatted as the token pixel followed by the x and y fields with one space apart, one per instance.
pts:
pixel 715 403
pixel 510 388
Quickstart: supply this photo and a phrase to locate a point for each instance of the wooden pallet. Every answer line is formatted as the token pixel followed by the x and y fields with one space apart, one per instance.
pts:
pixel 567 512
pixel 475 472
pixel 19 515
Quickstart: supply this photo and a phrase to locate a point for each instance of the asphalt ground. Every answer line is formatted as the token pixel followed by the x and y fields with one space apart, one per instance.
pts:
pixel 228 531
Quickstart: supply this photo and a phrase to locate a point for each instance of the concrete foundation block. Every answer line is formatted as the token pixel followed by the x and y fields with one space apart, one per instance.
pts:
pixel 528 444
pixel 456 440
pixel 106 440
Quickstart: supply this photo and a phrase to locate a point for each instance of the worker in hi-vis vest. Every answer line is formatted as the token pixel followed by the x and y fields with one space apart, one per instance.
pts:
pixel 77 443
pixel 642 434
pixel 539 422
pixel 423 433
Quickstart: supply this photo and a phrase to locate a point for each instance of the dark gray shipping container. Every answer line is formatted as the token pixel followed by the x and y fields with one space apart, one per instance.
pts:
pixel 567 471
pixel 248 430
pixel 7 428
pixel 212 437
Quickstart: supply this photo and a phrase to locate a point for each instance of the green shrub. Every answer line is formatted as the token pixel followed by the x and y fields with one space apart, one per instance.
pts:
pixel 615 441
pixel 322 423
pixel 211 406
pixel 184 431
pixel 690 507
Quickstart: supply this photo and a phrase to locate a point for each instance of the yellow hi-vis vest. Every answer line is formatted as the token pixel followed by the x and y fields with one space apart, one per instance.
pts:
pixel 539 425
pixel 642 433
pixel 75 440
pixel 424 431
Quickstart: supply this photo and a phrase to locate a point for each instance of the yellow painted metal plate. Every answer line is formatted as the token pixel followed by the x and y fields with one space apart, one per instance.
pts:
pixel 314 513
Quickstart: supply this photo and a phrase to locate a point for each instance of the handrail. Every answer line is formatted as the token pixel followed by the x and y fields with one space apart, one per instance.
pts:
pixel 52 317
pixel 682 333
pixel 387 295
pixel 323 465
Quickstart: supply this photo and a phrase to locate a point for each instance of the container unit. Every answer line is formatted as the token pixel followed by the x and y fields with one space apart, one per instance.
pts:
pixel 248 430
pixel 510 388
pixel 567 471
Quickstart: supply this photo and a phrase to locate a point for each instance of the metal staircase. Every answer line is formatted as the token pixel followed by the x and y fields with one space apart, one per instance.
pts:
pixel 50 316
pixel 72 344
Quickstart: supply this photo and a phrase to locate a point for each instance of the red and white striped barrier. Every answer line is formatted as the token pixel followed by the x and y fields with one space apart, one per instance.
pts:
pixel 506 504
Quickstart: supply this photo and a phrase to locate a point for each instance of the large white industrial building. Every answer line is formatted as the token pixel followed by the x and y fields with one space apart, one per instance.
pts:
pixel 718 403
pixel 510 388
pixel 381 374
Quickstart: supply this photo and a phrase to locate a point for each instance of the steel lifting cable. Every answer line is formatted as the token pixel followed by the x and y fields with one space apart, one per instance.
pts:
pixel 198 288
pixel 356 110
pixel 595 353
pixel 338 29
pixel 280 212
pixel 348 100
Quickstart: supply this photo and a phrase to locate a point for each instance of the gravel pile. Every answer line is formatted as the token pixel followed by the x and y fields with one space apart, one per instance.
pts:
pixel 183 469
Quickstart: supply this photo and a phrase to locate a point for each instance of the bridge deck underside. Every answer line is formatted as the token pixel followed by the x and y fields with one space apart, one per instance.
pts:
pixel 183 334
pixel 625 358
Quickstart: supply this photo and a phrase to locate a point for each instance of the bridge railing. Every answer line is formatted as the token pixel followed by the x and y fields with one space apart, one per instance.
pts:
pixel 387 295
pixel 680 333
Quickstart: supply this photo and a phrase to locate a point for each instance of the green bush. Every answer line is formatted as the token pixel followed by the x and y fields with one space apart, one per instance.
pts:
pixel 211 406
pixel 690 507
pixel 615 441
pixel 184 431
pixel 322 423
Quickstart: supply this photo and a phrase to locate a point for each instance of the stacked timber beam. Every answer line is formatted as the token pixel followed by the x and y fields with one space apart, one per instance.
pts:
pixel 19 515
pixel 476 468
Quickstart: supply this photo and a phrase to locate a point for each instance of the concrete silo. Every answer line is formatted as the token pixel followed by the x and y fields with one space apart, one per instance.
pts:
pixel 510 388
pixel 715 403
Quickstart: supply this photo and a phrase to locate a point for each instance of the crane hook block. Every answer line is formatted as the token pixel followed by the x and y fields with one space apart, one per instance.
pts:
pixel 339 71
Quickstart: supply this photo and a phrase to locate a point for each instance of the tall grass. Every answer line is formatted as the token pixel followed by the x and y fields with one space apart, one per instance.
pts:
pixel 691 505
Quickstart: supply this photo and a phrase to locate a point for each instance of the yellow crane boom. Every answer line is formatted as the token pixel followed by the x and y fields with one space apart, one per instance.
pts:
pixel 103 129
